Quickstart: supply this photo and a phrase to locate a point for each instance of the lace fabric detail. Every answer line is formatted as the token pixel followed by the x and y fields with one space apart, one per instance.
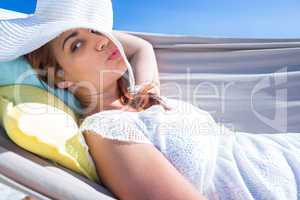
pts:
pixel 116 125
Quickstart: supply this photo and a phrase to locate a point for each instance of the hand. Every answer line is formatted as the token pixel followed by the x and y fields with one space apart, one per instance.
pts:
pixel 152 88
pixel 155 90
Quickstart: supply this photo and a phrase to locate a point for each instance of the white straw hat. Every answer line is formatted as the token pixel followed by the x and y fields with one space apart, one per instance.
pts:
pixel 52 17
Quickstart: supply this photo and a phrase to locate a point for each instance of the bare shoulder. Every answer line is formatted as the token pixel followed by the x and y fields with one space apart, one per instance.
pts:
pixel 137 170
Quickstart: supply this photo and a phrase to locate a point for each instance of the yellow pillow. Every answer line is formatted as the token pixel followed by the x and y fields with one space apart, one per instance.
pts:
pixel 41 123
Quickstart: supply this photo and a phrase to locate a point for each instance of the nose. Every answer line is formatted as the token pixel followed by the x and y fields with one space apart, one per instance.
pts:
pixel 101 45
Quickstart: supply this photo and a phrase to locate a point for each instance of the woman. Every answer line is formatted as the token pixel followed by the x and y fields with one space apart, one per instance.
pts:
pixel 150 147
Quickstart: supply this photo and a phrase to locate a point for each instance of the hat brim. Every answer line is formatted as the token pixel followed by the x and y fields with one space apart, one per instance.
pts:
pixel 22 36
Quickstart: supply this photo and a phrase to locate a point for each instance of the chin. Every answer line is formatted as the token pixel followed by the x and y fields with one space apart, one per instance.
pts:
pixel 121 61
pixel 118 66
pixel 121 64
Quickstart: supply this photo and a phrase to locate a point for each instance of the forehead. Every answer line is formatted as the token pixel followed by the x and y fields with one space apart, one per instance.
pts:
pixel 67 32
pixel 58 40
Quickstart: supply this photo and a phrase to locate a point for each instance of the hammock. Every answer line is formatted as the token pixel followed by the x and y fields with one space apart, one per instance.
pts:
pixel 249 85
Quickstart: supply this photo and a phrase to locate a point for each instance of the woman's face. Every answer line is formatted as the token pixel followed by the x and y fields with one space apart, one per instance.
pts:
pixel 86 55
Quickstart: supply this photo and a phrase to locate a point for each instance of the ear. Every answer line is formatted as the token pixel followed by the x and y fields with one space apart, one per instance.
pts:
pixel 64 84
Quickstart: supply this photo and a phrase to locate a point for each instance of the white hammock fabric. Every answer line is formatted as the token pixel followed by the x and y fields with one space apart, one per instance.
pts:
pixel 250 85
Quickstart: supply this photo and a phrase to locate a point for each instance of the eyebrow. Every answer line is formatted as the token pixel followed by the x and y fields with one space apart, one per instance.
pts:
pixel 75 33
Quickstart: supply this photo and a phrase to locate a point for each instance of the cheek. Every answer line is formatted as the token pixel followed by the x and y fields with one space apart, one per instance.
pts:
pixel 87 63
pixel 93 66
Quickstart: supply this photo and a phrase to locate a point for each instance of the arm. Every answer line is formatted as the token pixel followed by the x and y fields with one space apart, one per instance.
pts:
pixel 136 171
pixel 142 58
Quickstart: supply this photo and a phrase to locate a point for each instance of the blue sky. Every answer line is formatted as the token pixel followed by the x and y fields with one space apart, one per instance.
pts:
pixel 218 18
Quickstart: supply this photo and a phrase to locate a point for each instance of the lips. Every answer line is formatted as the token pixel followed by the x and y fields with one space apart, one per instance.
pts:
pixel 114 54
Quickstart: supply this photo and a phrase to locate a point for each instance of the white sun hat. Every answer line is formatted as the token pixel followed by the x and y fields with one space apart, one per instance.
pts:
pixel 51 18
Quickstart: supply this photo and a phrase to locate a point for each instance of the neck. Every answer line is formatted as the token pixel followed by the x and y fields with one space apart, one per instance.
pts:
pixel 99 101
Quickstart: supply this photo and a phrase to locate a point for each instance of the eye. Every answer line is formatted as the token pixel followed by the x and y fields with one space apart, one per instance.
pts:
pixel 75 46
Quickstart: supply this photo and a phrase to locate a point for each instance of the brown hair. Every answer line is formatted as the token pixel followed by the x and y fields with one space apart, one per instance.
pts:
pixel 43 59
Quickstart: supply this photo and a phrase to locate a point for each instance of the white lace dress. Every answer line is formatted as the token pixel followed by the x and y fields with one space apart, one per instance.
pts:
pixel 220 163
